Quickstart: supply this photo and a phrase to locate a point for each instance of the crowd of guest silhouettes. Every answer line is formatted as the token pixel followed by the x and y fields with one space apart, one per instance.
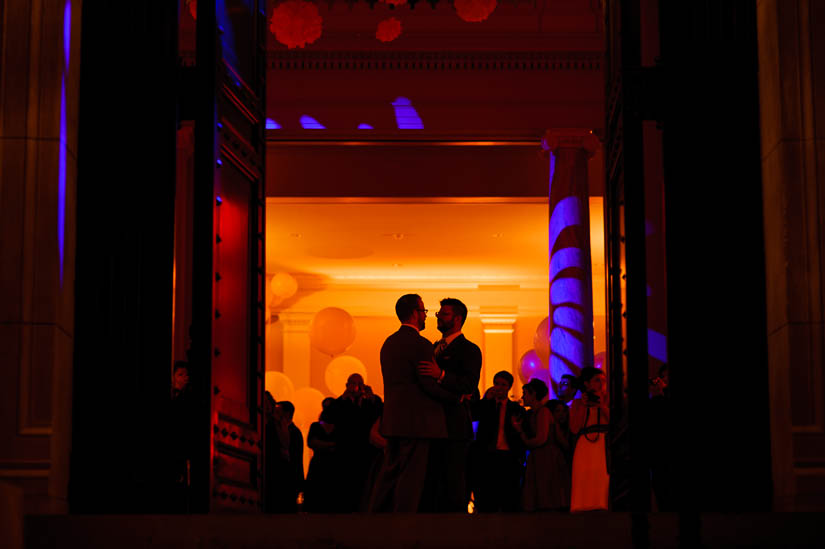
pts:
pixel 435 444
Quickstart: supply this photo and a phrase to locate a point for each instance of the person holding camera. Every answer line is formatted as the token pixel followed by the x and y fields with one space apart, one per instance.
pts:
pixel 589 417
pixel 547 478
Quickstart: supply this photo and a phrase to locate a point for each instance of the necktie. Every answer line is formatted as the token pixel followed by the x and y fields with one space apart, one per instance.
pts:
pixel 439 347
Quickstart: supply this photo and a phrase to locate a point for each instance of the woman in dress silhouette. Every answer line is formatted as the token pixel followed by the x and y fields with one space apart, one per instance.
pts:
pixel 589 417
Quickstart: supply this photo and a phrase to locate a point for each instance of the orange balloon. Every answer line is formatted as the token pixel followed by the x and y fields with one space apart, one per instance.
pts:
pixel 283 286
pixel 338 371
pixel 332 331
pixel 307 403
pixel 541 341
pixel 279 385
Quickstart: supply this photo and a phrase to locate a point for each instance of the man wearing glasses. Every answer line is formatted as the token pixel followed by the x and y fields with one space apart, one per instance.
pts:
pixel 413 416
pixel 456 368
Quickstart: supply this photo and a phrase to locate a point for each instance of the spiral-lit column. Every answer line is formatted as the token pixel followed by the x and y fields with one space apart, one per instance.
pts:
pixel 570 313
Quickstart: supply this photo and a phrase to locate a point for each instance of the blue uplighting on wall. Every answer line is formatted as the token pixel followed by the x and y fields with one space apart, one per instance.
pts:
pixel 363 126
pixel 309 123
pixel 227 34
pixel 406 117
pixel 657 345
pixel 61 161
pixel 272 124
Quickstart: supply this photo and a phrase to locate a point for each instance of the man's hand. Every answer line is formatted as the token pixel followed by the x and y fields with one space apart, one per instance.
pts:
pixel 429 368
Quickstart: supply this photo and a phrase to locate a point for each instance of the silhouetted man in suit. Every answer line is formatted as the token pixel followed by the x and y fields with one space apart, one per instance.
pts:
pixel 413 419
pixel 293 481
pixel 456 368
pixel 500 450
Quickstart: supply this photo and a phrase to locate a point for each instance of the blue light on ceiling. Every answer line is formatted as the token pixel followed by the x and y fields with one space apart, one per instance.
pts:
pixel 406 117
pixel 309 123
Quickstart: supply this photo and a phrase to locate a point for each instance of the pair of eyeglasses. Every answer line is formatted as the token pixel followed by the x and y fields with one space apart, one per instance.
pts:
pixel 425 311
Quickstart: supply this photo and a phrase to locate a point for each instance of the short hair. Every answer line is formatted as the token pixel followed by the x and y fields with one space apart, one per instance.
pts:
pixel 180 364
pixel 588 373
pixel 288 408
pixel 573 381
pixel 457 306
pixel 505 375
pixel 406 306
pixel 269 398
pixel 537 387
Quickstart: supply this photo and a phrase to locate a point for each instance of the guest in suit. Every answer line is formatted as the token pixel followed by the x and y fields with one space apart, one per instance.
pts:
pixel 500 455
pixel 294 477
pixel 456 367
pixel 568 387
pixel 413 418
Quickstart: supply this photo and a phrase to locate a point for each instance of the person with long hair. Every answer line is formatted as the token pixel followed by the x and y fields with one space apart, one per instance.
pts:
pixel 589 417
pixel 322 489
pixel 547 478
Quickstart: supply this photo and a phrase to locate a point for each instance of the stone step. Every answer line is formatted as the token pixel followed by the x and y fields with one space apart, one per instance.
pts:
pixel 400 531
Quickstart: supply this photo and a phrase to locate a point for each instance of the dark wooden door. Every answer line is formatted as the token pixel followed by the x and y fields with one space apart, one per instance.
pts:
pixel 228 253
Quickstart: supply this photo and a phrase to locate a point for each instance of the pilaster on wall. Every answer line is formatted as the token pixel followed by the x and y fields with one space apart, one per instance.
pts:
pixel 792 97
pixel 38 155
pixel 499 327
pixel 296 347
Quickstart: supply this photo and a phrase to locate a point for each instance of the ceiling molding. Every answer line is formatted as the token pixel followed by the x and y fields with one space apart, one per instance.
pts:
pixel 431 60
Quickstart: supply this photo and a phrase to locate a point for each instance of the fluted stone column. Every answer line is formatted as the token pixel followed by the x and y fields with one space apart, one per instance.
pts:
pixel 571 287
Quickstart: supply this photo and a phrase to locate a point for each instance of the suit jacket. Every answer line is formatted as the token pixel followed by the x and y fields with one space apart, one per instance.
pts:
pixel 486 413
pixel 296 455
pixel 461 362
pixel 412 403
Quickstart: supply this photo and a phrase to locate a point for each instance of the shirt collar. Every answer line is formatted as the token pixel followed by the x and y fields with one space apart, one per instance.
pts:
pixel 411 326
pixel 449 339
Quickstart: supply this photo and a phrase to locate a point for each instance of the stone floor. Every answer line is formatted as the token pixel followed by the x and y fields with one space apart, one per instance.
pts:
pixel 418 531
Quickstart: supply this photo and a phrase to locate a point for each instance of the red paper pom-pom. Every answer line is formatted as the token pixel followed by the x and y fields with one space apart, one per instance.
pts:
pixel 296 23
pixel 388 29
pixel 395 2
pixel 474 11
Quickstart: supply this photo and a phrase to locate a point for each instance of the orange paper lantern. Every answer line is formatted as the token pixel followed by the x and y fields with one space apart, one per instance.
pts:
pixel 388 30
pixel 474 11
pixel 296 23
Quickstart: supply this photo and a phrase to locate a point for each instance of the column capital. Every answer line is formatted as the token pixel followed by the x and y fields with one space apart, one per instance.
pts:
pixel 570 138
pixel 498 322
pixel 295 322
